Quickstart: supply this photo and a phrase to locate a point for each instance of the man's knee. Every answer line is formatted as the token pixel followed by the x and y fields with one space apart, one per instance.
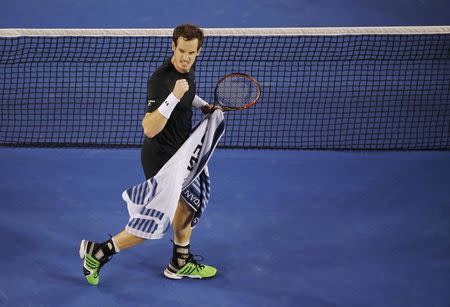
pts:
pixel 184 208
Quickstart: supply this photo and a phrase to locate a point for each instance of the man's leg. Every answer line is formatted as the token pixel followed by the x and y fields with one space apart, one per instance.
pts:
pixel 124 240
pixel 181 223
pixel 182 263
pixel 95 255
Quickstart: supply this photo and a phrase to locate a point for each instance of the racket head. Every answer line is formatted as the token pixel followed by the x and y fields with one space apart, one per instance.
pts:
pixel 236 91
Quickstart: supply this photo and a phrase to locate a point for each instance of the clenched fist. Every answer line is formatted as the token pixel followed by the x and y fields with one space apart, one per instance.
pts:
pixel 181 87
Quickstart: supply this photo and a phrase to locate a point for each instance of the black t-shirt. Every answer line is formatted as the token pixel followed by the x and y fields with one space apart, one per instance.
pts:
pixel 159 86
pixel 157 150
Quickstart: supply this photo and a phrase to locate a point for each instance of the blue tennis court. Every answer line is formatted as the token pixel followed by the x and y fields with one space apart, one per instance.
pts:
pixel 284 228
pixel 340 221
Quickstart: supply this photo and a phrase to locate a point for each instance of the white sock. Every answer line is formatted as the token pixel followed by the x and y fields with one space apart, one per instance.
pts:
pixel 115 245
pixel 184 244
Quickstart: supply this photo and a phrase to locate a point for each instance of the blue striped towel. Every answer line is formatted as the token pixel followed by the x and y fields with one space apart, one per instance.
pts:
pixel 152 204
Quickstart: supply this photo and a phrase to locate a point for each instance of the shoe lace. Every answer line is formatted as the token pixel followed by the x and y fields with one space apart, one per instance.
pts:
pixel 194 259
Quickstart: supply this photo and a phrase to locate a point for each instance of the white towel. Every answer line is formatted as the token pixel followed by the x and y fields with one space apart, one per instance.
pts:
pixel 152 204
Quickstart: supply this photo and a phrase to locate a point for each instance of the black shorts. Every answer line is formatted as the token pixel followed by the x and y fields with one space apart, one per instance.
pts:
pixel 154 156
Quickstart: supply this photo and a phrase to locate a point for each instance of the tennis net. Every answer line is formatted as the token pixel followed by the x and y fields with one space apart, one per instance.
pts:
pixel 325 89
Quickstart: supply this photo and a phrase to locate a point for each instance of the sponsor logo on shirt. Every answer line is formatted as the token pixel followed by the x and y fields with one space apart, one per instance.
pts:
pixel 150 103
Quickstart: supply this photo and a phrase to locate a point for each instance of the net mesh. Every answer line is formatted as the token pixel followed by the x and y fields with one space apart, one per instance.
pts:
pixel 327 92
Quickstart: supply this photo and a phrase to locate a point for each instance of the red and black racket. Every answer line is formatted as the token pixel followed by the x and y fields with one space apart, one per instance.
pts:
pixel 236 91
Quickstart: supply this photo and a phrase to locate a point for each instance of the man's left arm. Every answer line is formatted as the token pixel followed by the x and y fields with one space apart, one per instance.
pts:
pixel 203 105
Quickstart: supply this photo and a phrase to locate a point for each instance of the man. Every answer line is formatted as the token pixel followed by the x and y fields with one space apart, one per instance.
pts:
pixel 167 124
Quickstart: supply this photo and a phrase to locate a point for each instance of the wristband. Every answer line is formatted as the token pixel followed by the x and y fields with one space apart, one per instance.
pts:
pixel 168 105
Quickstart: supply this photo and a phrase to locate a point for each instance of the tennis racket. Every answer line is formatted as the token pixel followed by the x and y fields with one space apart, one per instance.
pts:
pixel 236 91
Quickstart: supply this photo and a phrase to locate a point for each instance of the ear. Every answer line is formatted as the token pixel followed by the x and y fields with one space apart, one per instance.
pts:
pixel 173 47
pixel 198 51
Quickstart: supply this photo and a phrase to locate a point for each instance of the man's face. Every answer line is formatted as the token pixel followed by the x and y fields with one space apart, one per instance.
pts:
pixel 184 54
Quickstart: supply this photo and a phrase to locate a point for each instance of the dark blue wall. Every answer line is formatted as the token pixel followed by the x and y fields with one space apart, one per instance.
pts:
pixel 229 13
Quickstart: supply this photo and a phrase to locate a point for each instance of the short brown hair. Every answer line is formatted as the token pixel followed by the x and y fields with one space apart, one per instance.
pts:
pixel 189 32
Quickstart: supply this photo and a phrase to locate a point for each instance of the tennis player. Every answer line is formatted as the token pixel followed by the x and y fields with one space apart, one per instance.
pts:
pixel 171 94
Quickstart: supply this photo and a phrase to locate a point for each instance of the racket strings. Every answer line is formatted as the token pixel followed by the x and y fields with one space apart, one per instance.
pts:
pixel 237 92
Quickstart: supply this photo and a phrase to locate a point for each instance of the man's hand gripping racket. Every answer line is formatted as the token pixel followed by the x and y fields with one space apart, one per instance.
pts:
pixel 236 91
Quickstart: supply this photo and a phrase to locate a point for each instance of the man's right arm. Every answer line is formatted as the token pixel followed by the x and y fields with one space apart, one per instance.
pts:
pixel 155 120
pixel 153 123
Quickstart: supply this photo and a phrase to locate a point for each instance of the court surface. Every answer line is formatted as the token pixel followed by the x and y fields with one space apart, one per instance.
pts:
pixel 284 228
